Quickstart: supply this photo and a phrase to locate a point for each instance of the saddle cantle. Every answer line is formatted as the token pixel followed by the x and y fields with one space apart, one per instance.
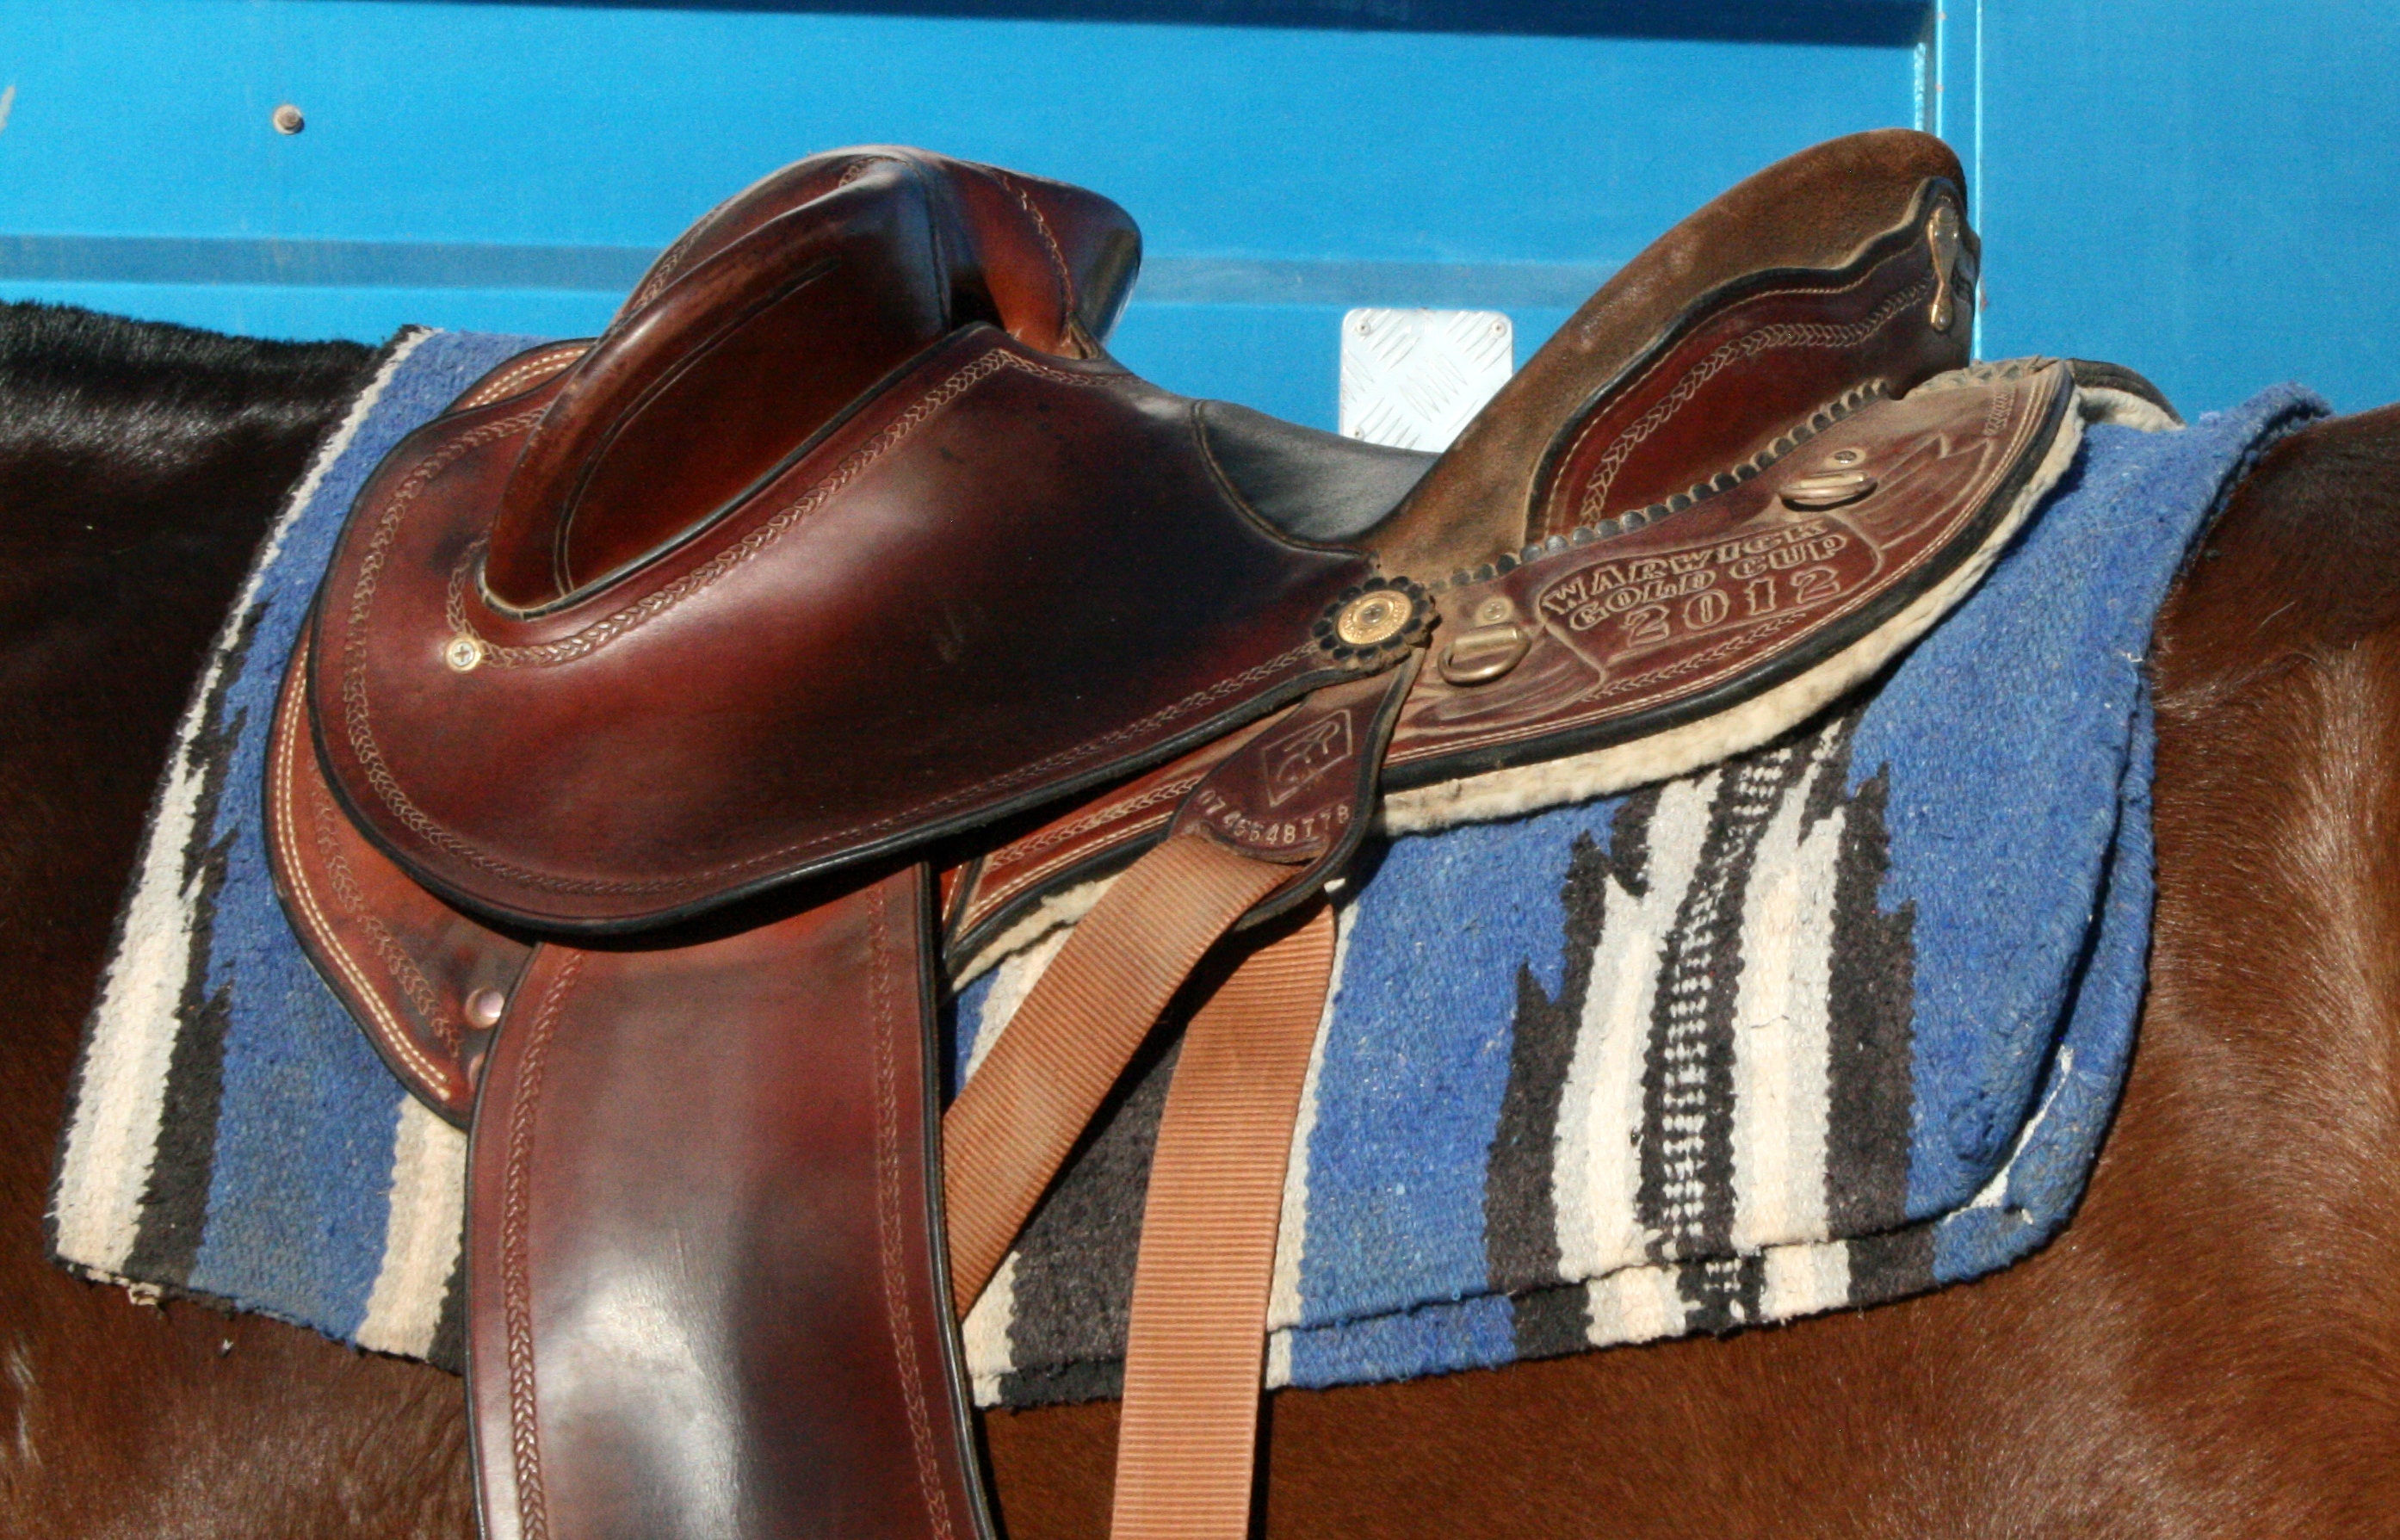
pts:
pixel 654 683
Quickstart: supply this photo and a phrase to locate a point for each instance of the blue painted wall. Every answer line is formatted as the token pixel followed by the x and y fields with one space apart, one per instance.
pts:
pixel 2200 188
pixel 1280 173
pixel 2207 190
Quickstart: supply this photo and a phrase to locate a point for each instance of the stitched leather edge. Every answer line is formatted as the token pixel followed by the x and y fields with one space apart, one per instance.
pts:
pixel 889 1225
pixel 516 1279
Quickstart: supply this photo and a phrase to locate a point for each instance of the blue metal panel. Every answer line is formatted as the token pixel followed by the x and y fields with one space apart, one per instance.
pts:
pixel 2202 189
pixel 510 166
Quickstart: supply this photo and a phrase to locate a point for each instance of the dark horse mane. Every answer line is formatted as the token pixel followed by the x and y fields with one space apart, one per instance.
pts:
pixel 138 465
pixel 155 399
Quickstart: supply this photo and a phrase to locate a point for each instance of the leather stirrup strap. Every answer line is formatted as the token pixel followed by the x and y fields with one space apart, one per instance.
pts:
pixel 1014 1125
pixel 1186 1445
pixel 703 1287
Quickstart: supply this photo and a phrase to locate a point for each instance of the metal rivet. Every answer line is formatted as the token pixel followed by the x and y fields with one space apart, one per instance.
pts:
pixel 287 119
pixel 1846 457
pixel 1476 656
pixel 1372 619
pixel 484 1007
pixel 1493 611
pixel 1830 490
pixel 462 653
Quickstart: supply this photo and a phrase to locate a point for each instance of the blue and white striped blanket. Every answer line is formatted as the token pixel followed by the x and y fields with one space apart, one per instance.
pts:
pixel 1837 1021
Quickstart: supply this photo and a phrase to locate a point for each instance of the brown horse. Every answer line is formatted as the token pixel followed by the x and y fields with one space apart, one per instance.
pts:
pixel 2212 1348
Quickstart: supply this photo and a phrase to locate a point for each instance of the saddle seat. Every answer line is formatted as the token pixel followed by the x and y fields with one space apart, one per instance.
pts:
pixel 682 710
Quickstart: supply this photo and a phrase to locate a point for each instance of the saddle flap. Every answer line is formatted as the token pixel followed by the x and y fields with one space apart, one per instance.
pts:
pixel 426 983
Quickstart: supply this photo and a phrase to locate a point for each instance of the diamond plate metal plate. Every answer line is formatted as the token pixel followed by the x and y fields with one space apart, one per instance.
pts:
pixel 1412 378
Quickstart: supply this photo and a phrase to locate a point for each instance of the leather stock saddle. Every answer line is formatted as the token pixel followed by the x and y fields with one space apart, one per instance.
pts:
pixel 685 710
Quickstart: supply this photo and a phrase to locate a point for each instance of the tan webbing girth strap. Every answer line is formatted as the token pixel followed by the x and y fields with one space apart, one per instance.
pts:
pixel 1186 1445
pixel 1012 1127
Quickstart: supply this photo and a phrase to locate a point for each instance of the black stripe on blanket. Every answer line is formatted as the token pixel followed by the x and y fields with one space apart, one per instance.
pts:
pixel 1687 1199
pixel 1520 1219
pixel 175 1204
pixel 1870 1019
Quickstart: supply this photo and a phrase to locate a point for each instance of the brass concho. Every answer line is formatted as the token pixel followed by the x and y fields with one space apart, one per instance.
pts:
pixel 1371 620
pixel 1381 616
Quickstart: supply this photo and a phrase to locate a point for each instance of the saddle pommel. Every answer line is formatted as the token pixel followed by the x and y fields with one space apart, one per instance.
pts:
pixel 755 332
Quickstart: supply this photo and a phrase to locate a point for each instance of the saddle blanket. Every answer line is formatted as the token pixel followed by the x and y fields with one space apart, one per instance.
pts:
pixel 1831 1023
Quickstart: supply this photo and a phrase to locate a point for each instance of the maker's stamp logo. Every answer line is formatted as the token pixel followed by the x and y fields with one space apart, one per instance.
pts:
pixel 1297 759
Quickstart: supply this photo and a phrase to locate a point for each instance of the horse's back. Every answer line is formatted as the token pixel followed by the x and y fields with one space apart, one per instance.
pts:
pixel 138 466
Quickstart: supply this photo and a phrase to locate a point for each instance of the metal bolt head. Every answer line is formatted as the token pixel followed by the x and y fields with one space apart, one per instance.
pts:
pixel 484 1008
pixel 1846 457
pixel 1493 611
pixel 1830 489
pixel 462 653
pixel 287 119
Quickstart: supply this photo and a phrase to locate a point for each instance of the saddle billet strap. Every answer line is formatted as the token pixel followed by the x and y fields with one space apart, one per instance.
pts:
pixel 705 1288
pixel 1187 1439
pixel 1260 833
pixel 1013 1126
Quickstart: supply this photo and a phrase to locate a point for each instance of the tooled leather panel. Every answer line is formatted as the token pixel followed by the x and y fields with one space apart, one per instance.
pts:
pixel 1303 790
pixel 1004 580
pixel 1687 615
pixel 1094 836
pixel 704 1298
pixel 1621 636
pixel 409 967
pixel 1711 402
